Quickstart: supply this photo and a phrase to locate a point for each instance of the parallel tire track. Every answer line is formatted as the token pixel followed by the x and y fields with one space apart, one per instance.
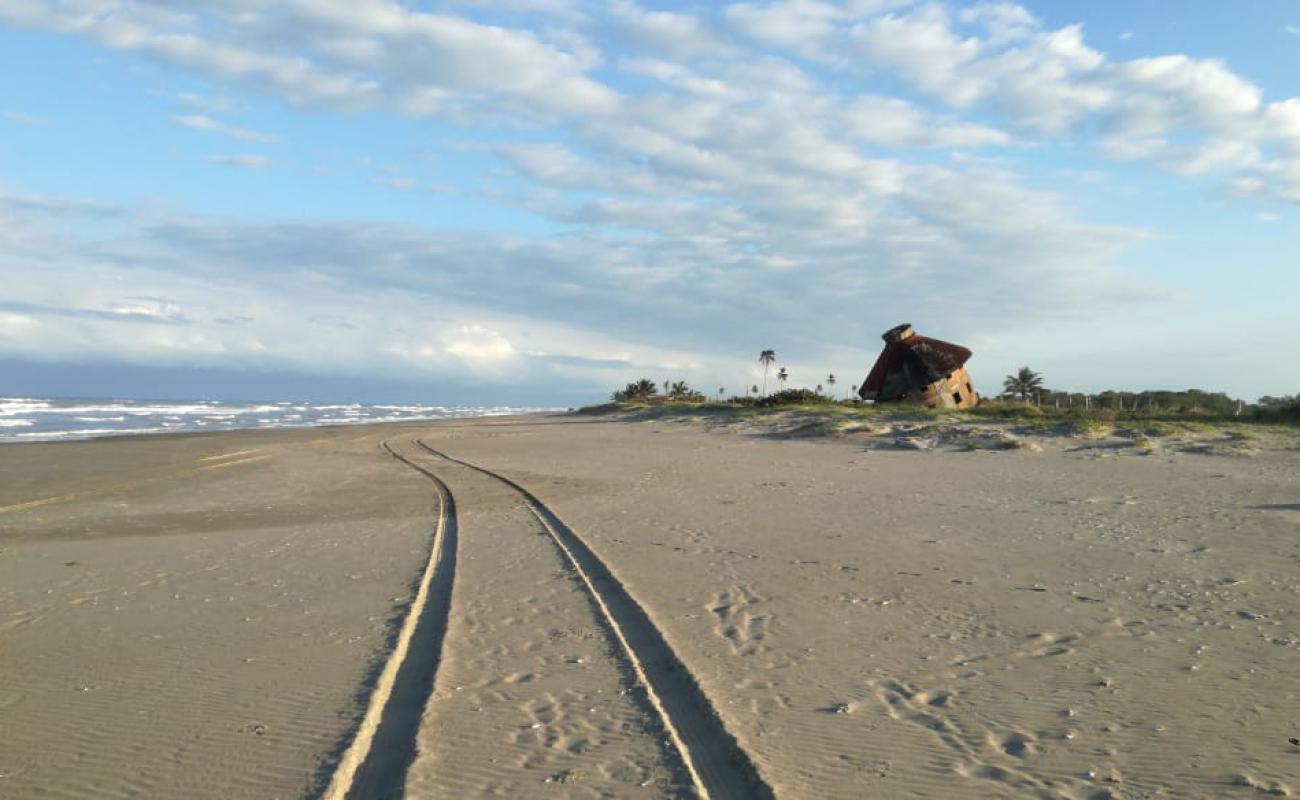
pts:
pixel 718 765
pixel 374 764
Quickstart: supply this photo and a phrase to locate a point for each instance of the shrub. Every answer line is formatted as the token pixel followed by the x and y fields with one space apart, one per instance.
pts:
pixel 1287 411
pixel 795 397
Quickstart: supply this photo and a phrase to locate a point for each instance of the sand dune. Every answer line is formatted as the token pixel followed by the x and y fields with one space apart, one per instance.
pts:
pixel 646 609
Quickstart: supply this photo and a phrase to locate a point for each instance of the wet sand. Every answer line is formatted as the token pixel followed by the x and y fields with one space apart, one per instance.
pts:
pixel 647 609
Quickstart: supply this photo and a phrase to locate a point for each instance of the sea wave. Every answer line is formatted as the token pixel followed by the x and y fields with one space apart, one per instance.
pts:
pixel 58 419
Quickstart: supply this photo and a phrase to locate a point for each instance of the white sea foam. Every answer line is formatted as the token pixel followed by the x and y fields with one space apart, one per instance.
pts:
pixel 57 419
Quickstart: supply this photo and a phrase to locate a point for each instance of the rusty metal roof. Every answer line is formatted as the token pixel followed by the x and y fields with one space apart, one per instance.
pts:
pixel 910 361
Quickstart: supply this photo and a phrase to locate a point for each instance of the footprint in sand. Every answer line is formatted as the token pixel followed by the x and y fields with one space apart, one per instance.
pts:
pixel 1046 645
pixel 737 622
pixel 560 732
pixel 1014 744
pixel 763 696
pixel 975 748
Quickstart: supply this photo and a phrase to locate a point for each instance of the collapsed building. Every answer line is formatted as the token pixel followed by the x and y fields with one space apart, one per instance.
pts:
pixel 918 369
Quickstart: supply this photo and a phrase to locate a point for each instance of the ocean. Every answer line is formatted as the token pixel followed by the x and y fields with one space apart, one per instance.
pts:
pixel 43 419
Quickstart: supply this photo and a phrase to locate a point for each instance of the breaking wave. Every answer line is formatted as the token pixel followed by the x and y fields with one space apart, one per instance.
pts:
pixel 35 419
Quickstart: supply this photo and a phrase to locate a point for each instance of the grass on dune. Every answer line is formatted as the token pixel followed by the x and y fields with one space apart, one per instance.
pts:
pixel 1077 421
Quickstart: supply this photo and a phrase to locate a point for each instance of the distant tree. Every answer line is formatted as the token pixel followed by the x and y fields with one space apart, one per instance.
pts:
pixel 766 358
pixel 721 392
pixel 782 375
pixel 1023 384
pixel 637 390
pixel 819 388
pixel 754 388
pixel 830 381
pixel 680 390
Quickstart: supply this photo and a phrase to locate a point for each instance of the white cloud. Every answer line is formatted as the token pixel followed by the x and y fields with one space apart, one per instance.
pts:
pixel 893 121
pixel 799 25
pixel 1187 115
pixel 23 118
pixel 664 32
pixel 205 104
pixel 478 344
pixel 341 54
pixel 243 161
pixel 200 122
pixel 398 184
pixel 1040 78
pixel 1200 86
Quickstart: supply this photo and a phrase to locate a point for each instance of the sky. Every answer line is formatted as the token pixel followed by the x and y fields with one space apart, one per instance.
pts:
pixel 537 201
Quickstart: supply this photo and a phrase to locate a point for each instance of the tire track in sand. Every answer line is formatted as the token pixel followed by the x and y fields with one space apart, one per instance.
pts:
pixel 718 766
pixel 375 762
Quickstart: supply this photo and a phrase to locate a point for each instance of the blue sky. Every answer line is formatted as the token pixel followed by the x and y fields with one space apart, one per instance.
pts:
pixel 538 200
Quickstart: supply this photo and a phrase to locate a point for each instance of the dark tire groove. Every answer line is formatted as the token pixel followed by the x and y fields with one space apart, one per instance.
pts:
pixel 390 750
pixel 718 764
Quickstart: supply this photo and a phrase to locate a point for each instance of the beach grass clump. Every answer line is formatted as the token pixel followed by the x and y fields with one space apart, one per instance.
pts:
pixel 1143 445
pixel 1158 428
pixel 1005 409
pixel 1089 428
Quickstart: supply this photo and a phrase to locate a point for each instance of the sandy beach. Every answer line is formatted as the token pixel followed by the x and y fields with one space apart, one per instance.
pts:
pixel 606 606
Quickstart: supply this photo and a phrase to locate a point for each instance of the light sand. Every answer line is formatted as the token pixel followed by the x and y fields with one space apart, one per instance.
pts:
pixel 204 616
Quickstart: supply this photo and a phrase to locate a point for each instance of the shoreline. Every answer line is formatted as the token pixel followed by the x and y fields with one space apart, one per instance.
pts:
pixel 35 420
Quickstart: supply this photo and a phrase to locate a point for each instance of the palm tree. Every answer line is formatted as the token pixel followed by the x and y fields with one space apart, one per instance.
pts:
pixel 721 392
pixel 766 358
pixel 819 388
pixel 1024 383
pixel 830 381
pixel 754 388
pixel 636 390
pixel 781 376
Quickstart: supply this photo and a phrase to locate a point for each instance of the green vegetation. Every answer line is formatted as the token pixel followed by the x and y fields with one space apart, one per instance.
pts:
pixel 795 397
pixel 1278 409
pixel 1025 402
